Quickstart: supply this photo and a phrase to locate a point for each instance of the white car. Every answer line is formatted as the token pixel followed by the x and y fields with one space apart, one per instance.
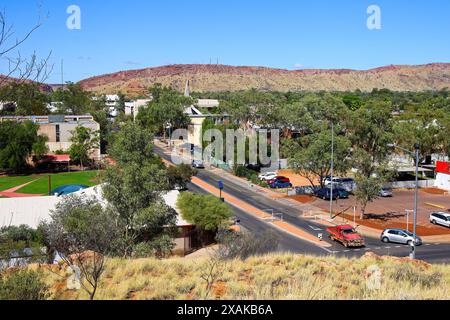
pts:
pixel 267 176
pixel 441 218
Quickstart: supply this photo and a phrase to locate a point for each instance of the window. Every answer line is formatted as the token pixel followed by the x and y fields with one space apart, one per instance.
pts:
pixel 58 134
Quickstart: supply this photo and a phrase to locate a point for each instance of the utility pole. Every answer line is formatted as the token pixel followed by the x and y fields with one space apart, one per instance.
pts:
pixel 416 196
pixel 332 169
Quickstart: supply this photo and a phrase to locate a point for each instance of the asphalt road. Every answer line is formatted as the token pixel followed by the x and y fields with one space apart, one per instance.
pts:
pixel 434 253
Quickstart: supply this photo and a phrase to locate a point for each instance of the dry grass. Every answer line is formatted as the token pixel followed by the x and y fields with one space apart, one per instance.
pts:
pixel 268 277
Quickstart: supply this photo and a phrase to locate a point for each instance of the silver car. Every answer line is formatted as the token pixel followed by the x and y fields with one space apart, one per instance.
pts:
pixel 399 236
pixel 386 193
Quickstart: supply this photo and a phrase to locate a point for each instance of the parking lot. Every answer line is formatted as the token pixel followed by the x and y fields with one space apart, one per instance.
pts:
pixel 391 212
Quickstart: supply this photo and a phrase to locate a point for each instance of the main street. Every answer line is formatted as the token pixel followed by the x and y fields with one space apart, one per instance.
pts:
pixel 436 253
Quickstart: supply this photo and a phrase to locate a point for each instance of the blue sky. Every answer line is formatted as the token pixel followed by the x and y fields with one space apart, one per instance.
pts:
pixel 119 35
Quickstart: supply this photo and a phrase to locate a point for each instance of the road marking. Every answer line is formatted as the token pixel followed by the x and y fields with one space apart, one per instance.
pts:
pixel 315 228
pixel 387 247
pixel 427 244
pixel 398 246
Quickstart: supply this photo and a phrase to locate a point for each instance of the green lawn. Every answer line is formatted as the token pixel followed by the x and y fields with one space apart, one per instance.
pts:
pixel 40 186
pixel 11 182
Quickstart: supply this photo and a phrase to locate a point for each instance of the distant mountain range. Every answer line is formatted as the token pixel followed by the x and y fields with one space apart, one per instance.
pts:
pixel 209 77
pixel 204 78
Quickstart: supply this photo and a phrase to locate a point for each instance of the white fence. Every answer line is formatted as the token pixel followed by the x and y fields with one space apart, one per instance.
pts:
pixel 412 184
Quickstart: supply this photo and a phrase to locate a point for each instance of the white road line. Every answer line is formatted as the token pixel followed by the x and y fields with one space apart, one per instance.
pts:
pixel 427 244
pixel 387 247
pixel 398 246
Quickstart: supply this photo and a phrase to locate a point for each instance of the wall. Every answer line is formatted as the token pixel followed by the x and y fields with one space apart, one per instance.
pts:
pixel 412 184
pixel 443 181
pixel 28 211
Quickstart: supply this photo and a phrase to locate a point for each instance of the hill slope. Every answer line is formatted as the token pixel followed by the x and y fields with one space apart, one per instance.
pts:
pixel 227 78
pixel 284 276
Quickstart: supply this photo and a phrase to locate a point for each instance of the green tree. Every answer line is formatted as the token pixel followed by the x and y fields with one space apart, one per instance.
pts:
pixel 371 132
pixel 73 99
pixel 313 158
pixel 180 176
pixel 166 108
pixel 28 96
pixel 84 140
pixel 134 187
pixel 204 211
pixel 83 233
pixel 18 142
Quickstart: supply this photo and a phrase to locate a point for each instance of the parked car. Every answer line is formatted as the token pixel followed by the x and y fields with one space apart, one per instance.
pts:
pixel 348 184
pixel 267 176
pixel 308 190
pixel 386 193
pixel 399 236
pixel 325 194
pixel 338 193
pixel 341 193
pixel 68 189
pixel 281 184
pixel 279 178
pixel 198 164
pixel 346 235
pixel 441 218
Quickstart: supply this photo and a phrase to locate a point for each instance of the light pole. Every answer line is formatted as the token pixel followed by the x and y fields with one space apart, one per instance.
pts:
pixel 332 170
pixel 414 153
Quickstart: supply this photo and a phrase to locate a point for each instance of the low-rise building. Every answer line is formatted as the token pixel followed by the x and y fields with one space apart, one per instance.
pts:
pixel 60 129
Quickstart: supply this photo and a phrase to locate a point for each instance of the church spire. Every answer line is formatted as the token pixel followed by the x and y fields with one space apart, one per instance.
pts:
pixel 187 90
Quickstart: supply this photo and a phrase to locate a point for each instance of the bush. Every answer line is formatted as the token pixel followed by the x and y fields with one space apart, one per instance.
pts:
pixel 23 285
pixel 243 245
pixel 160 247
pixel 204 211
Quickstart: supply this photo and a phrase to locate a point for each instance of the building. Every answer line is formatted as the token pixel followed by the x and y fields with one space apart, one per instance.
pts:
pixel 34 210
pixel 443 175
pixel 132 107
pixel 59 129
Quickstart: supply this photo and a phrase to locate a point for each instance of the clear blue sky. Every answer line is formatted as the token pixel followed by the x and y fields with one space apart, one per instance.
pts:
pixel 119 35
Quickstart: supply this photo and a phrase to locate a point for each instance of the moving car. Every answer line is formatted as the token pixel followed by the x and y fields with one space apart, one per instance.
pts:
pixel 386 193
pixel 346 235
pixel 198 164
pixel 441 218
pixel 68 189
pixel 399 236
pixel 267 176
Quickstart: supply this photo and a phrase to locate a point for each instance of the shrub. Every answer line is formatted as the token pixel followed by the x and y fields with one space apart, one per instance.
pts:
pixel 204 211
pixel 23 285
pixel 244 244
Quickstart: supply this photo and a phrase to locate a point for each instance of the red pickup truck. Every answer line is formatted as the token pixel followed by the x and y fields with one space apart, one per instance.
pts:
pixel 346 235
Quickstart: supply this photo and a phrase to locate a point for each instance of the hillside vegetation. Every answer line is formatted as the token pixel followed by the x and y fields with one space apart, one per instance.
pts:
pixel 207 78
pixel 284 276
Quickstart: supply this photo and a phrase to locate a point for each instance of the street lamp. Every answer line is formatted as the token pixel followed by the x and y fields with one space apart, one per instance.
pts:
pixel 332 170
pixel 414 153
